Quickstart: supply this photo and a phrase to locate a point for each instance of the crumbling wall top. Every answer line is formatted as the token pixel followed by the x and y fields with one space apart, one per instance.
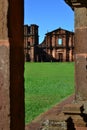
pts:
pixel 76 3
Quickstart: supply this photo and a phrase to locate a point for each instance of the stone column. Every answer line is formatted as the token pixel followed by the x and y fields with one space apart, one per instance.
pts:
pixel 54 53
pixel 80 8
pixel 11 65
pixel 70 55
pixel 64 55
pixel 32 54
pixel 81 52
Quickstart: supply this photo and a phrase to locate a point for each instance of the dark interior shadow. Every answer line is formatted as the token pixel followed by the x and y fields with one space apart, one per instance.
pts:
pixel 83 115
pixel 70 124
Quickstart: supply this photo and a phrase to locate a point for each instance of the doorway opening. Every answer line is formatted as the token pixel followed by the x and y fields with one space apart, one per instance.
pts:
pixel 60 55
pixel 44 74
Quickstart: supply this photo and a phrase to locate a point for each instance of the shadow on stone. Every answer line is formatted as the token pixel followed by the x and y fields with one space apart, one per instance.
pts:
pixel 83 115
pixel 70 124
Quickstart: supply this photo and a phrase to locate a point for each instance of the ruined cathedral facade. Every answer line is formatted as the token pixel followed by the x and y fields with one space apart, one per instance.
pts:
pixel 57 46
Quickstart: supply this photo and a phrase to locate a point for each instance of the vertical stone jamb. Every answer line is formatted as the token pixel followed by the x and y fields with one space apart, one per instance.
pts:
pixel 11 65
pixel 16 39
pixel 4 68
pixel 81 53
pixel 80 9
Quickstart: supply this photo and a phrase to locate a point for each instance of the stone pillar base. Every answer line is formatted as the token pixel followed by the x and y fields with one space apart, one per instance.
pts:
pixel 77 113
pixel 73 117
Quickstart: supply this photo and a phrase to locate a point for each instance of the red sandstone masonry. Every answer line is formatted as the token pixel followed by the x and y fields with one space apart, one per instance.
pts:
pixel 4 86
pixel 11 65
pixel 4 43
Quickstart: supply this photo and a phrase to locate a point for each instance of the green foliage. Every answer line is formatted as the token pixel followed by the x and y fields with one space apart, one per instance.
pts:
pixel 46 84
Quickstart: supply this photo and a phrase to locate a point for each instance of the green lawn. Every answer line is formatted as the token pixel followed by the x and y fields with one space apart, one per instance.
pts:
pixel 46 84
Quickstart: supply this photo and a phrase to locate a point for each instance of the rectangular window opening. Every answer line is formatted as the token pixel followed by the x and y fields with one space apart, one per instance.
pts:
pixel 60 41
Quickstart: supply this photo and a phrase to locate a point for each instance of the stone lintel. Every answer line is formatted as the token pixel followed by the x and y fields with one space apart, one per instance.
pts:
pixel 74 108
pixel 76 3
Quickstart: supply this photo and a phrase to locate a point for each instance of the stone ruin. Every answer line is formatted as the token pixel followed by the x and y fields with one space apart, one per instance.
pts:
pixel 74 115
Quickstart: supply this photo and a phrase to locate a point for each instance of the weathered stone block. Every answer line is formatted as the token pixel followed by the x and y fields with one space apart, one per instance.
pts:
pixel 4 85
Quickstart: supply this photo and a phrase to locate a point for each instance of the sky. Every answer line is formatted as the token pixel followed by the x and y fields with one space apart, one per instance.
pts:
pixel 48 15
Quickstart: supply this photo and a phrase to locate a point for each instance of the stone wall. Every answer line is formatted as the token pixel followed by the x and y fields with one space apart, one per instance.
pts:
pixel 11 65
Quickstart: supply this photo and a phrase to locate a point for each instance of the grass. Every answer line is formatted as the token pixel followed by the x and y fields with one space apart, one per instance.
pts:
pixel 46 84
